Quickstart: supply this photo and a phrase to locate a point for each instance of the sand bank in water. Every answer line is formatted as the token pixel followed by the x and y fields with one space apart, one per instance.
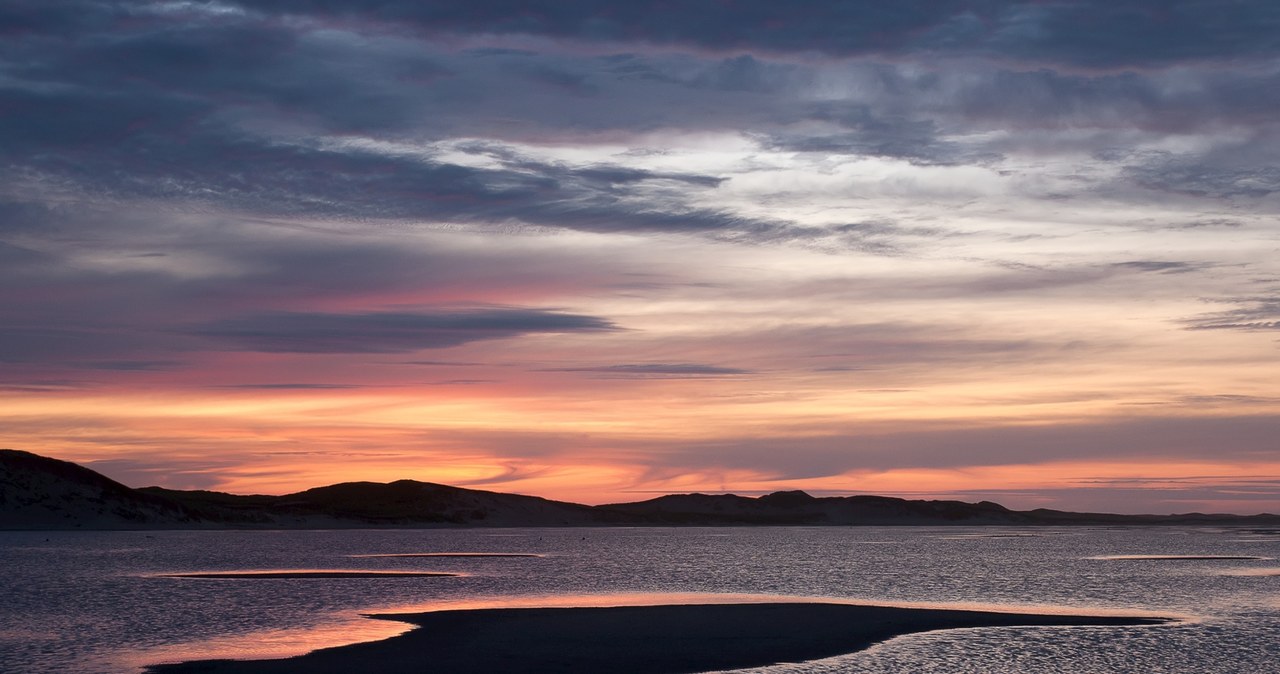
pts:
pixel 630 639
pixel 450 554
pixel 277 575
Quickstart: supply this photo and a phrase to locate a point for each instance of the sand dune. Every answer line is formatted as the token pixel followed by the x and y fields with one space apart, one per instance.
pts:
pixel 631 639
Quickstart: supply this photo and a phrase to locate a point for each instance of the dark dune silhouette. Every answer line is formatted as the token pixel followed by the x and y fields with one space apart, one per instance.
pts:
pixel 40 493
pixel 630 639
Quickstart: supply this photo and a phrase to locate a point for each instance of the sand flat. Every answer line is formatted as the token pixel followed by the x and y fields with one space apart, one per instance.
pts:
pixel 310 573
pixel 664 639
pixel 449 554
pixel 1175 558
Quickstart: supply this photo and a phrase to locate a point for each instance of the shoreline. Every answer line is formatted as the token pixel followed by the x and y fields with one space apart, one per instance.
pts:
pixel 661 639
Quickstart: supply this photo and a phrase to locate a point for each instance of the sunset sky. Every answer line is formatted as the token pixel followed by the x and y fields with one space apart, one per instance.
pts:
pixel 598 251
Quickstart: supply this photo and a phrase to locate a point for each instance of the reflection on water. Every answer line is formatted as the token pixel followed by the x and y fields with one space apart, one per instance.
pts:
pixel 694 598
pixel 596 601
pixel 272 643
pixel 92 602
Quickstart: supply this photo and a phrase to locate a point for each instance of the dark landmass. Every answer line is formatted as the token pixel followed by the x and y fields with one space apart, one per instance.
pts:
pixel 630 639
pixel 40 493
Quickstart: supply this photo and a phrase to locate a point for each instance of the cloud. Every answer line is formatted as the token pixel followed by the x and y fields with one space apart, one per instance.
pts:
pixel 1253 315
pixel 1160 266
pixel 1220 174
pixel 1089 33
pixel 289 387
pixel 387 332
pixel 167 471
pixel 1227 399
pixel 184 181
pixel 131 365
pixel 351 112
pixel 118 289
pixel 655 370
pixel 1234 438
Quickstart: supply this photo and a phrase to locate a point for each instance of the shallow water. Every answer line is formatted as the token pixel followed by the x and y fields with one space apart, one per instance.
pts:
pixel 82 602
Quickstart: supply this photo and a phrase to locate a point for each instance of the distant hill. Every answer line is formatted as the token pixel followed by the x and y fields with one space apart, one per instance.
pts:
pixel 396 504
pixel 799 508
pixel 38 492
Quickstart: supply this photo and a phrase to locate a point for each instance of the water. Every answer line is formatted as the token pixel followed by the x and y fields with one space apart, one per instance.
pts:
pixel 94 602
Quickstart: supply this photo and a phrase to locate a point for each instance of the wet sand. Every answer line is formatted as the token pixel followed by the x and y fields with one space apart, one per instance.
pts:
pixel 630 639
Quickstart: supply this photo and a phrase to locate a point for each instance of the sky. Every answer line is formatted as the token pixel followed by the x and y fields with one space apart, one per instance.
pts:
pixel 598 251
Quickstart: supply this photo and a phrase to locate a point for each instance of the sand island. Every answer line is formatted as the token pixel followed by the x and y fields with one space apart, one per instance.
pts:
pixel 632 639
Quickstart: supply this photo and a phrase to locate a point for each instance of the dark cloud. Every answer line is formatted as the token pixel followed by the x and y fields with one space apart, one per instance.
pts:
pixel 340 110
pixel 842 27
pixel 441 363
pixel 1077 32
pixel 1227 399
pixel 388 332
pixel 1220 174
pixel 864 132
pixel 288 387
pixel 43 386
pixel 1252 315
pixel 655 370
pixel 461 382
pixel 15 257
pixel 185 156
pixel 131 365
pixel 67 346
pixel 1207 223
pixel 116 290
pixel 1160 266
pixel 1135 33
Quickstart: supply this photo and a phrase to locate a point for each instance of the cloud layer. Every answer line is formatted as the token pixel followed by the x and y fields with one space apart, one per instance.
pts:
pixel 741 243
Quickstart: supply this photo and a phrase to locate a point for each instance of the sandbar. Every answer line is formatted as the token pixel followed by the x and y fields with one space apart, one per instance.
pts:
pixel 666 639
pixel 450 554
pixel 269 575
pixel 1175 558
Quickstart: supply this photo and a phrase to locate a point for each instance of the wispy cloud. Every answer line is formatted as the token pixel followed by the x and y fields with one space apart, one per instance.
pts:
pixel 976 230
pixel 1253 314
pixel 655 370
pixel 388 332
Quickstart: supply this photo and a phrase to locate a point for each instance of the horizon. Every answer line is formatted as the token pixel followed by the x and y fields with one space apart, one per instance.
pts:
pixel 1013 251
pixel 650 495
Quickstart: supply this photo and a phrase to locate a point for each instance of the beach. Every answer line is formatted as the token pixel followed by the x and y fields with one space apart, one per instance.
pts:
pixel 631 639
